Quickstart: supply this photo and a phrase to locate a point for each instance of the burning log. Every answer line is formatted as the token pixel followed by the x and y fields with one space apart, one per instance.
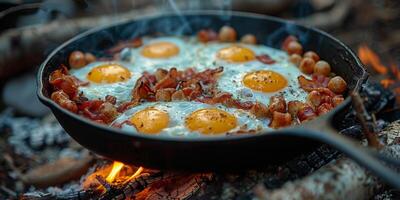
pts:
pixel 342 179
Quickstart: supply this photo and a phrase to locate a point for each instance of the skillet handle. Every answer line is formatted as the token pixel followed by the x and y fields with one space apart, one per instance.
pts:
pixel 325 132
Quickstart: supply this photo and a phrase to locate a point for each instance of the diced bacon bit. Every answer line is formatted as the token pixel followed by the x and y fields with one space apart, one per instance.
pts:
pixel 133 43
pixel 265 58
pixel 314 98
pixel 62 99
pixel 98 110
pixel 280 120
pixel 207 35
pixel 142 90
pixel 277 103
pixel 287 40
pixel 160 74
pixel 306 113
pixel 260 110
pixel 164 94
pixel 318 81
pixel 126 105
pixel 62 81
pixel 324 108
pixel 294 107
pixel 111 99
pixel 178 96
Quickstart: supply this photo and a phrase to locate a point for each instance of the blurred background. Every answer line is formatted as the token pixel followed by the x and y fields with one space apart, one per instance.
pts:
pixel 31 29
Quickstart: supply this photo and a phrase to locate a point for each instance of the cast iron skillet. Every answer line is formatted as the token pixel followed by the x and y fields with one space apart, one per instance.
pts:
pixel 214 153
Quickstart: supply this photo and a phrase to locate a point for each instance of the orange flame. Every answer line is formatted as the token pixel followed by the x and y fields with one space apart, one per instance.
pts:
pixel 369 57
pixel 117 166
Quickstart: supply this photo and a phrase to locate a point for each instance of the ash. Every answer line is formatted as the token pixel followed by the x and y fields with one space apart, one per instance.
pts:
pixel 32 135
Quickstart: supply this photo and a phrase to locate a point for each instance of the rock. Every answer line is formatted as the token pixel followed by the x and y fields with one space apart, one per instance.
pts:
pixel 20 93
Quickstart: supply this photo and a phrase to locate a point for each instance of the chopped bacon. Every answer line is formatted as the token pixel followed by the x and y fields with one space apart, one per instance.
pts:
pixel 126 105
pixel 142 89
pixel 160 74
pixel 259 110
pixel 62 81
pixel 280 120
pixel 99 110
pixel 164 94
pixel 314 98
pixel 324 108
pixel 111 99
pixel 178 96
pixel 277 103
pixel 133 43
pixel 62 99
pixel 318 81
pixel 207 35
pixel 294 107
pixel 287 40
pixel 265 58
pixel 306 113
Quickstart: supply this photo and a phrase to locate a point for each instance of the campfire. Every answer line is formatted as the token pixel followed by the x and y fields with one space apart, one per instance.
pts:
pixel 389 74
pixel 40 161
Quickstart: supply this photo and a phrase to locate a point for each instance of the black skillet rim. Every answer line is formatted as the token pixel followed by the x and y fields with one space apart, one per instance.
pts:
pixel 328 117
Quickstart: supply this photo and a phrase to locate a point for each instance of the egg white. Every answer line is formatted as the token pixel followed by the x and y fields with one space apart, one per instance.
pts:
pixel 179 110
pixel 120 90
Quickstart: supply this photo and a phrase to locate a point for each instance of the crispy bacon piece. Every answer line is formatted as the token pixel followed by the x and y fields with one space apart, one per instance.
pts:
pixel 259 110
pixel 99 111
pixel 314 98
pixel 133 43
pixel 306 113
pixel 280 119
pixel 178 96
pixel 160 74
pixel 126 105
pixel 62 81
pixel 62 99
pixel 318 81
pixel 324 108
pixel 265 58
pixel 294 107
pixel 277 103
pixel 207 35
pixel 287 40
pixel 142 90
pixel 164 94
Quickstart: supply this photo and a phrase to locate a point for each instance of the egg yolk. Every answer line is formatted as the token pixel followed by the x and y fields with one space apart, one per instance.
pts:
pixel 236 54
pixel 264 81
pixel 150 120
pixel 109 73
pixel 160 50
pixel 211 121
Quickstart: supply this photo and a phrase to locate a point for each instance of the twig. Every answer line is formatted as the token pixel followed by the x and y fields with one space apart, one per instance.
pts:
pixel 363 117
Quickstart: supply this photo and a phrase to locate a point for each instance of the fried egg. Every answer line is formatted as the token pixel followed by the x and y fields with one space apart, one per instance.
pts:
pixel 107 78
pixel 249 79
pixel 191 119
pixel 164 52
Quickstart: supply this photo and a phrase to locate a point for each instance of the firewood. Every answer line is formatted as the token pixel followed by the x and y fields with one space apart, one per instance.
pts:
pixel 341 179
pixel 58 172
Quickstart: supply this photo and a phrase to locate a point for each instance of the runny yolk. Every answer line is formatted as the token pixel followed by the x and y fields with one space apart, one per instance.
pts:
pixel 210 121
pixel 264 81
pixel 109 73
pixel 160 50
pixel 150 120
pixel 236 54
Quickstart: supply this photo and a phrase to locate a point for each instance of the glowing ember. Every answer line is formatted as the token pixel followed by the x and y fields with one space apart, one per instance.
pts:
pixel 117 166
pixel 368 57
